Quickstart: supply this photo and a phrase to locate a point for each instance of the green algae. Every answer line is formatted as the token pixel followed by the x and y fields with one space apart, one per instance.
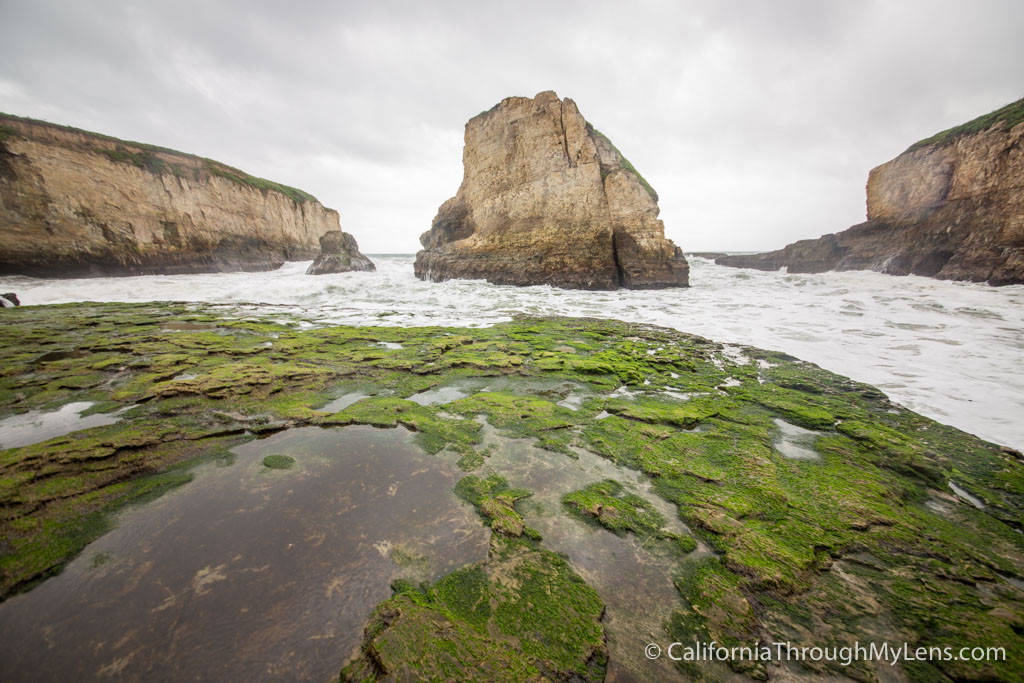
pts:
pixel 496 502
pixel 790 535
pixel 279 462
pixel 608 504
pixel 520 615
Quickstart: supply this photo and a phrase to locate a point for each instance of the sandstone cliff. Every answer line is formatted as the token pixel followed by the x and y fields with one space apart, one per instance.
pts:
pixel 339 253
pixel 950 207
pixel 74 203
pixel 547 199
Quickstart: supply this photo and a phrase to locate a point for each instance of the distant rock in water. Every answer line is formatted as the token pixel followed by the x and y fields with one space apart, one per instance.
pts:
pixel 339 253
pixel 9 300
pixel 74 204
pixel 547 199
pixel 950 207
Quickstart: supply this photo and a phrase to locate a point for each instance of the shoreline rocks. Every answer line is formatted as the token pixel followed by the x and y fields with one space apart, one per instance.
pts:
pixel 9 300
pixel 81 204
pixel 339 253
pixel 547 199
pixel 950 207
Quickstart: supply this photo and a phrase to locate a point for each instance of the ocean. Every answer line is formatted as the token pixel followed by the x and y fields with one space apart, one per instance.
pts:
pixel 953 351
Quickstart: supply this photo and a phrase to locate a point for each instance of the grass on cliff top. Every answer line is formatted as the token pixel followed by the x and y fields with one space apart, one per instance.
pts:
pixel 626 164
pixel 146 157
pixel 1009 116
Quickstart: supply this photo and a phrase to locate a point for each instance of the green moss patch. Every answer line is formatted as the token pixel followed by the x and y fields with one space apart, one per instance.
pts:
pixel 495 501
pixel 279 462
pixel 521 615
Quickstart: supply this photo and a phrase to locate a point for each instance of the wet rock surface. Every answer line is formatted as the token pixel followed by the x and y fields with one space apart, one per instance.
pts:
pixel 950 207
pixel 80 204
pixel 693 491
pixel 339 253
pixel 547 199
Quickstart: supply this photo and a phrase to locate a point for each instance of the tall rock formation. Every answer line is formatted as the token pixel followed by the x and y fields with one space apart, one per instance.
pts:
pixel 74 203
pixel 339 253
pixel 547 199
pixel 950 207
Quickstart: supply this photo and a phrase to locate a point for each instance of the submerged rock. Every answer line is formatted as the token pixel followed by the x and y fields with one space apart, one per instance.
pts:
pixel 547 199
pixel 81 204
pixel 950 207
pixel 339 253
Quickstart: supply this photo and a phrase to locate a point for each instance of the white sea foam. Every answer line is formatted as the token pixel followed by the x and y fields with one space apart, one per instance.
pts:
pixel 952 351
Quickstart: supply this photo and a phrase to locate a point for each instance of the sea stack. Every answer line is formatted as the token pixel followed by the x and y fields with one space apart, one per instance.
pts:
pixel 79 204
pixel 547 199
pixel 950 207
pixel 339 253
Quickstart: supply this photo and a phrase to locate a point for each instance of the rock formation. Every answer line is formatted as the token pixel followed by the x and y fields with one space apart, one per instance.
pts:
pixel 950 207
pixel 74 203
pixel 9 300
pixel 547 199
pixel 339 253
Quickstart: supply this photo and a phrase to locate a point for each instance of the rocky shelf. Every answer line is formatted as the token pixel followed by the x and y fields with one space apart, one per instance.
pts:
pixel 777 501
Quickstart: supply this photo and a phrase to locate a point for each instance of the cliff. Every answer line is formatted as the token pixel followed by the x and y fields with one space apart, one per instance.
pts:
pixel 547 199
pixel 74 203
pixel 950 207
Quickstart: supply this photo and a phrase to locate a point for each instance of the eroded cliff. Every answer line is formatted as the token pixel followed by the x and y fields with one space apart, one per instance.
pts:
pixel 74 203
pixel 950 207
pixel 547 199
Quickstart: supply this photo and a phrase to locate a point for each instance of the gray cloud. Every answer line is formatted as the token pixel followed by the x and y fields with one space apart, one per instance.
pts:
pixel 756 122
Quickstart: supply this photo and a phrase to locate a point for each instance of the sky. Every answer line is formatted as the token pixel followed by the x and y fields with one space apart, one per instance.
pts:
pixel 757 122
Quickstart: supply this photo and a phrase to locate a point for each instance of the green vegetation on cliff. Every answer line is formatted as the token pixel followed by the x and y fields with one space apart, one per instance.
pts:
pixel 626 163
pixel 864 541
pixel 155 159
pixel 1009 116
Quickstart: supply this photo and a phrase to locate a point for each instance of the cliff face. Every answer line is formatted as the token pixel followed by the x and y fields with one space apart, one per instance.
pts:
pixel 74 204
pixel 546 199
pixel 950 207
pixel 339 253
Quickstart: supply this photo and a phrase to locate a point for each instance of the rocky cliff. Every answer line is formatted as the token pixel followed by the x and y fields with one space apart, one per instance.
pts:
pixel 950 207
pixel 339 253
pixel 547 199
pixel 74 203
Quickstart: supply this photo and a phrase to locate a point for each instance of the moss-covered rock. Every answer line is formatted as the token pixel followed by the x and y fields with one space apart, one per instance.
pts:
pixel 867 541
pixel 521 615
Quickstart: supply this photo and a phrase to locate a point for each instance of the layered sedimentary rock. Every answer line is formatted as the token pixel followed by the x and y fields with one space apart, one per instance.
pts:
pixel 74 203
pixel 950 207
pixel 339 253
pixel 547 199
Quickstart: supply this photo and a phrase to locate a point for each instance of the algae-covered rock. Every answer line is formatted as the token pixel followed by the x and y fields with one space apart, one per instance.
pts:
pixel 899 529
pixel 521 615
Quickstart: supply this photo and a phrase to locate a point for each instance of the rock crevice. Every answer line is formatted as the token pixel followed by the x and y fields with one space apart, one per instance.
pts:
pixel 546 199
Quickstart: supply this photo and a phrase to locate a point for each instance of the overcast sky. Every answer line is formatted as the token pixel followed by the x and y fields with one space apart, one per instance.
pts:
pixel 757 122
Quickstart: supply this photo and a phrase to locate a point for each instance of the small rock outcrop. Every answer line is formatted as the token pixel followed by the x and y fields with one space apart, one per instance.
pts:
pixel 547 199
pixel 80 204
pixel 9 300
pixel 339 253
pixel 950 207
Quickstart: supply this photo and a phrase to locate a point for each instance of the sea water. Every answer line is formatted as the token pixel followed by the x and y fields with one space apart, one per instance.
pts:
pixel 950 350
